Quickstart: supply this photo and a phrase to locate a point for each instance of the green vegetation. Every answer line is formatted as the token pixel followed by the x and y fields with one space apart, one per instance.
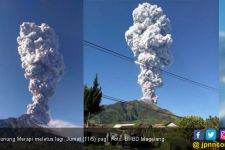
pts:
pixel 143 115
pixel 212 122
pixel 92 100
pixel 196 122
pixel 134 111
pixel 173 138
pixel 193 122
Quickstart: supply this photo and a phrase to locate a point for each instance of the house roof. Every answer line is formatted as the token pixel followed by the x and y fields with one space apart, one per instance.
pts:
pixel 122 125
pixel 172 125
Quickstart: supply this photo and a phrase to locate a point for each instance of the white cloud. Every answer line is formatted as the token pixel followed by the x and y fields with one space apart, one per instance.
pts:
pixel 64 128
pixel 222 34
pixel 223 79
pixel 222 113
pixel 222 41
pixel 61 124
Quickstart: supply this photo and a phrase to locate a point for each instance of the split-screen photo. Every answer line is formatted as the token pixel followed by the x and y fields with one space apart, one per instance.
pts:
pixel 112 74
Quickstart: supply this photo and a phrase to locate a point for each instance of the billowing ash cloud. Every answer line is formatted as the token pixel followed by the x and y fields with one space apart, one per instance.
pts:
pixel 150 39
pixel 43 66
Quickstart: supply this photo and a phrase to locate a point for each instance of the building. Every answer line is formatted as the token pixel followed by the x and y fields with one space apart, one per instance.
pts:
pixel 123 125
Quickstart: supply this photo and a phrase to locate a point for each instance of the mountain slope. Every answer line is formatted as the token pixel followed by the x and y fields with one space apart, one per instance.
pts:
pixel 27 127
pixel 24 121
pixel 8 123
pixel 133 112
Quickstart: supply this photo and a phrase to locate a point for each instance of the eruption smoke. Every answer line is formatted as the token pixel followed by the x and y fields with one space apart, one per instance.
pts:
pixel 43 66
pixel 150 40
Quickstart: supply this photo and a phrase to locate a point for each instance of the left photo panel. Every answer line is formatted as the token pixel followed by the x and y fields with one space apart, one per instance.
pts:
pixel 41 60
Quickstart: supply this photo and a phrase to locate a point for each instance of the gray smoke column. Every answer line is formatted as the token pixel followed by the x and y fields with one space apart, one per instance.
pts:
pixel 43 66
pixel 150 39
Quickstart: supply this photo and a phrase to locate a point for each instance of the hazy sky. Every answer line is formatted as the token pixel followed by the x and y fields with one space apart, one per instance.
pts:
pixel 222 61
pixel 195 52
pixel 222 15
pixel 65 16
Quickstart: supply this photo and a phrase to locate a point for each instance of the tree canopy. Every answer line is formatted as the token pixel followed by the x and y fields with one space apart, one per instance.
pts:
pixel 198 122
pixel 92 100
pixel 191 122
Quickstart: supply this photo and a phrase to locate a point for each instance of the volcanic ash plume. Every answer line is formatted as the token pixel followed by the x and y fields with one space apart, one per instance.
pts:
pixel 43 66
pixel 150 40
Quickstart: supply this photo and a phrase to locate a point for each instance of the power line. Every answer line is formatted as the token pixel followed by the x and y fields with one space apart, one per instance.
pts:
pixel 108 51
pixel 123 101
pixel 113 98
pixel 129 59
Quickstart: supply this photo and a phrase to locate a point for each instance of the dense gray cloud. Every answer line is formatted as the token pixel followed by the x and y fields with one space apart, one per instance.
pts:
pixel 43 66
pixel 150 39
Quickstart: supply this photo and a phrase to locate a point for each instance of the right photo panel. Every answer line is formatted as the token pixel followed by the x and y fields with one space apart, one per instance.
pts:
pixel 222 63
pixel 151 73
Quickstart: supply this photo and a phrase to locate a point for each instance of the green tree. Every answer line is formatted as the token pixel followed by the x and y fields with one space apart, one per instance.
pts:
pixel 191 122
pixel 212 122
pixel 92 100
